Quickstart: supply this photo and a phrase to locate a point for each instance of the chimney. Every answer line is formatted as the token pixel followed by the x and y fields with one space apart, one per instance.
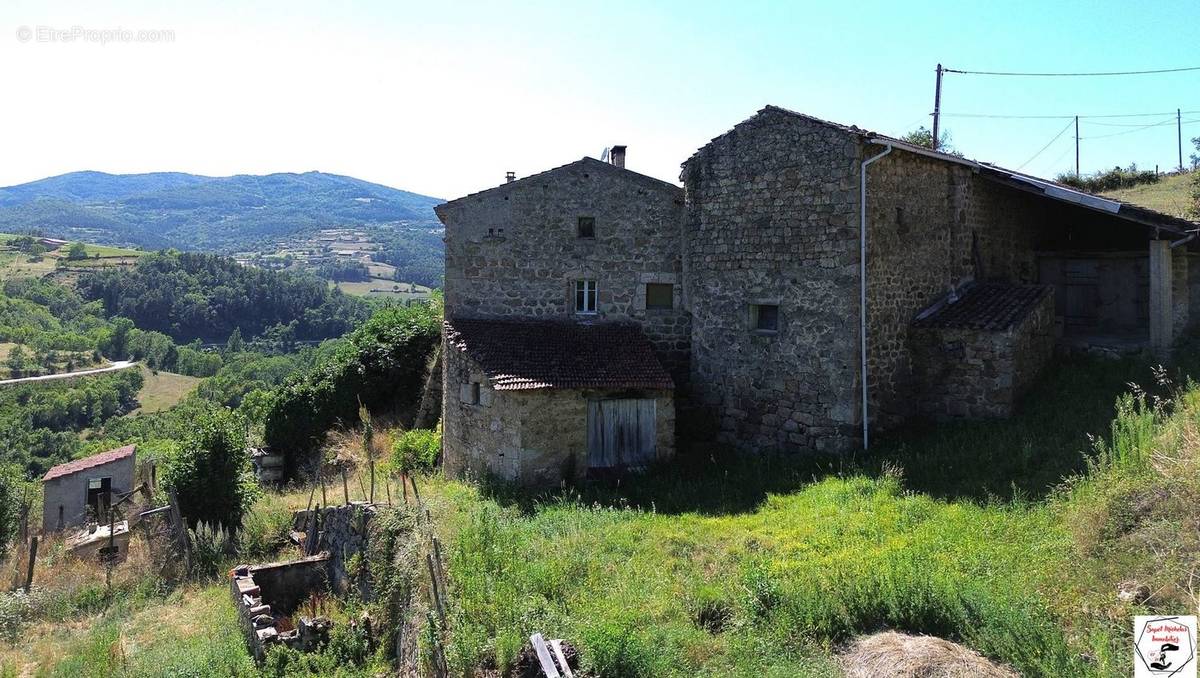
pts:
pixel 510 177
pixel 617 156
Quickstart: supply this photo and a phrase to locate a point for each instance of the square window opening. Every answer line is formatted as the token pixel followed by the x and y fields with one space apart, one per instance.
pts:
pixel 660 296
pixel 587 227
pixel 764 317
pixel 585 296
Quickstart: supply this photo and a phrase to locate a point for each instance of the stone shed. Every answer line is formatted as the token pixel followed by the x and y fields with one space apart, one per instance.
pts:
pixel 978 350
pixel 74 491
pixel 540 401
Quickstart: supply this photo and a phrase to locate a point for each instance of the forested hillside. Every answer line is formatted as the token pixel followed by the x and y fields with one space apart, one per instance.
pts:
pixel 186 211
pixel 202 296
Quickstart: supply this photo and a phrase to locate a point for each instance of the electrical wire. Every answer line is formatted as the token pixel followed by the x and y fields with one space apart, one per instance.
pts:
pixel 1138 129
pixel 1063 117
pixel 1048 144
pixel 1073 75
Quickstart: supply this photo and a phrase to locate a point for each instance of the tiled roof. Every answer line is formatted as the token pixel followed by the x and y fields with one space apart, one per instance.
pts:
pixel 984 306
pixel 88 462
pixel 535 354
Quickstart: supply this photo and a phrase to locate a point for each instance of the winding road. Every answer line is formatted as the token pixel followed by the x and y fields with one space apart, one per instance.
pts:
pixel 117 365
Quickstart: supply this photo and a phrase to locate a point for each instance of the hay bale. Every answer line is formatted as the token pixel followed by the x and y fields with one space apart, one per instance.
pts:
pixel 899 655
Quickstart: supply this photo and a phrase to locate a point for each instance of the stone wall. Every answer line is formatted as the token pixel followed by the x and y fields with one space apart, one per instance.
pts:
pixel 534 437
pixel 515 251
pixel 771 218
pixel 267 596
pixel 978 373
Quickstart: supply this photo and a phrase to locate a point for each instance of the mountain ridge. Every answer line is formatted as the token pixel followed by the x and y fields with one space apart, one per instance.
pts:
pixel 192 211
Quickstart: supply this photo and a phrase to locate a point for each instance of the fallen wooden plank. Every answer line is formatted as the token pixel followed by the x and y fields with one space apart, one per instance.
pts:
pixel 543 655
pixel 556 645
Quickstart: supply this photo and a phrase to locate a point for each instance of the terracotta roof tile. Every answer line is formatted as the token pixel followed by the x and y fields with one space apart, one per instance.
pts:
pixel 539 354
pixel 88 462
pixel 985 306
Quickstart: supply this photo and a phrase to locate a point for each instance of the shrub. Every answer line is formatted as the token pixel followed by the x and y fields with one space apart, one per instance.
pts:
pixel 17 609
pixel 416 451
pixel 210 472
pixel 383 364
pixel 264 531
pixel 210 546
pixel 1117 177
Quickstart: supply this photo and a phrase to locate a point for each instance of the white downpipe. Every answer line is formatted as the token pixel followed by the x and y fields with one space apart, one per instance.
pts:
pixel 862 286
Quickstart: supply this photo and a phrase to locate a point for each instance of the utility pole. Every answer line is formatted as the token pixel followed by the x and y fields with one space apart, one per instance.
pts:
pixel 1077 147
pixel 1179 136
pixel 937 108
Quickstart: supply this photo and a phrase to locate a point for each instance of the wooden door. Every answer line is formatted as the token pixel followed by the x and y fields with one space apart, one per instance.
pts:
pixel 621 433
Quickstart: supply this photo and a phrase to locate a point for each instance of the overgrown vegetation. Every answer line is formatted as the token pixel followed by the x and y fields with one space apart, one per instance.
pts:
pixel 381 365
pixel 713 566
pixel 210 472
pixel 1109 180
pixel 416 451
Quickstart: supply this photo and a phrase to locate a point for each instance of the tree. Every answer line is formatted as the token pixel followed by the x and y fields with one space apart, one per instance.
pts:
pixel 17 361
pixel 924 138
pixel 235 344
pixel 118 343
pixel 210 472
pixel 77 251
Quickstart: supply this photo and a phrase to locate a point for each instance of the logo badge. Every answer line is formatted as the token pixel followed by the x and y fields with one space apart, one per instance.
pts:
pixel 1164 647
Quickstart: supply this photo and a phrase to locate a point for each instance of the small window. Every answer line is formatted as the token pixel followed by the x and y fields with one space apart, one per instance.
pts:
pixel 474 393
pixel 585 296
pixel 764 317
pixel 587 227
pixel 95 483
pixel 660 296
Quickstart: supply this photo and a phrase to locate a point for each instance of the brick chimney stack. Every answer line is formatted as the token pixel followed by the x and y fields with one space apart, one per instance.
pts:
pixel 617 156
pixel 510 177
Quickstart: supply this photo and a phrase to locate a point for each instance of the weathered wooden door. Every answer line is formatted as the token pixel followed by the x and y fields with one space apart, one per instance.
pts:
pixel 621 433
pixel 1082 298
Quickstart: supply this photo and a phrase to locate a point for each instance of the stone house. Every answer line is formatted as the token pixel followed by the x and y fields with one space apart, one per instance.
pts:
pixel 800 256
pixel 83 488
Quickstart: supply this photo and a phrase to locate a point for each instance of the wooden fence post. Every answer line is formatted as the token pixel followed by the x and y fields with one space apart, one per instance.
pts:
pixel 33 544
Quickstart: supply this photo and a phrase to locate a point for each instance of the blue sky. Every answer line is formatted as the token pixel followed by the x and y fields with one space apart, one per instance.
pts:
pixel 443 98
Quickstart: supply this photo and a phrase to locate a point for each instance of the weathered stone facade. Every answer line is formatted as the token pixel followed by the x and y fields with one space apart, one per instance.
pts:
pixel 532 437
pixel 768 263
pixel 515 251
pixel 772 219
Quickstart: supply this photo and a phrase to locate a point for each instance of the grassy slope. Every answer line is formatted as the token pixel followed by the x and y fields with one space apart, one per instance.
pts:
pixel 163 390
pixel 948 531
pixel 1171 195
pixel 717 566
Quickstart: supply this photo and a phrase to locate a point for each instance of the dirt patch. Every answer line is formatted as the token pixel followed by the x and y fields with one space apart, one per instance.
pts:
pixel 898 655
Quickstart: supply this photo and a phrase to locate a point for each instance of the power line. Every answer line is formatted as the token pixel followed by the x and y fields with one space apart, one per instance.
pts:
pixel 1073 75
pixel 1139 129
pixel 1061 117
pixel 1048 144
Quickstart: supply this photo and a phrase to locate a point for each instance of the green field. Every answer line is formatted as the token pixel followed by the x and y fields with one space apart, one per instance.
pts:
pixel 1171 195
pixel 391 287
pixel 162 390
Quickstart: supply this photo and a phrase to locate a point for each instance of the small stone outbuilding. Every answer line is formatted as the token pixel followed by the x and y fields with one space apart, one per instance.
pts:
pixel 538 401
pixel 78 490
pixel 977 351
